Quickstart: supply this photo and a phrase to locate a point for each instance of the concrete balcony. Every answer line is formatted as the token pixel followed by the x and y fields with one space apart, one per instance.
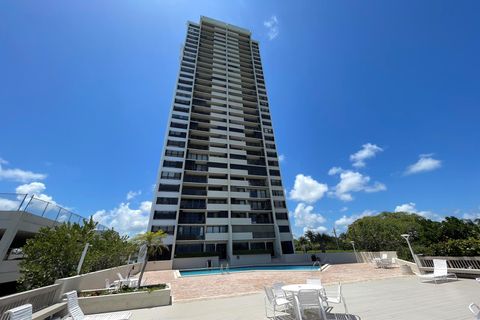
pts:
pixel 217 140
pixel 217 194
pixel 218 159
pixel 239 161
pixel 284 236
pixel 240 221
pixel 217 149
pixel 215 131
pixel 217 206
pixel 218 170
pixel 218 123
pixel 241 207
pixel 222 182
pixel 233 118
pixel 217 221
pixel 239 152
pixel 242 195
pixel 239 172
pixel 237 134
pixel 216 236
pixel 242 236
pixel 238 143
pixel 239 183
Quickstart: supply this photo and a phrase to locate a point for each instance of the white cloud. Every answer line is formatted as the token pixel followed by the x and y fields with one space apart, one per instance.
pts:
pixel 345 220
pixel 36 189
pixel 410 207
pixel 351 181
pixel 307 189
pixel 368 151
pixel 7 204
pixel 334 170
pixel 133 194
pixel 424 164
pixel 471 216
pixel 124 219
pixel 344 209
pixel 18 175
pixel 272 26
pixel 306 218
pixel 281 158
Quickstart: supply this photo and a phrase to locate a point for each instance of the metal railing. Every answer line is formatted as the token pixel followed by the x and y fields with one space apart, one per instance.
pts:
pixel 470 265
pixel 39 298
pixel 39 207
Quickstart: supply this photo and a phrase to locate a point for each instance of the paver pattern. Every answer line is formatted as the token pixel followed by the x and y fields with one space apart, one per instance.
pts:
pixel 214 286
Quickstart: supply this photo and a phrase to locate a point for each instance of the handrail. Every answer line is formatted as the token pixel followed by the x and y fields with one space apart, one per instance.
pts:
pixel 39 298
pixel 39 207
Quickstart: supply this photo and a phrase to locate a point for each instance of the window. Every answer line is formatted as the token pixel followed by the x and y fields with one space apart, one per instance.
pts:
pixel 173 153
pixel 284 228
pixel 270 146
pixel 217 214
pixel 170 175
pixel 173 143
pixel 181 109
pixel 275 172
pixel 281 215
pixel 178 125
pixel 178 116
pixel 217 229
pixel 166 229
pixel 272 154
pixel 164 215
pixel 163 200
pixel 276 182
pixel 184 88
pixel 172 164
pixel 277 193
pixel 187 103
pixel 168 187
pixel 185 82
pixel 185 95
pixel 267 130
pixel 279 204
pixel 287 247
pixel 178 134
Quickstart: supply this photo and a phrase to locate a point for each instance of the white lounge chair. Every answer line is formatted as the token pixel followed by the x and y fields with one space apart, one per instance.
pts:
pixel 130 282
pixel 310 299
pixel 277 304
pixel 20 313
pixel 339 298
pixel 440 272
pixel 77 314
pixel 475 310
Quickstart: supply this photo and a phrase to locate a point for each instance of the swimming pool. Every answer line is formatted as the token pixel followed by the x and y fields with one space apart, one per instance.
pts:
pixel 204 272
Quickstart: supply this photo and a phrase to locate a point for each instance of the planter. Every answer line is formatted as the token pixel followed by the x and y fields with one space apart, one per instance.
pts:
pixel 125 301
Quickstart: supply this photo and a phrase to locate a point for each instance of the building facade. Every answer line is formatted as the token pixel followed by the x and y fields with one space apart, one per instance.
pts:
pixel 219 191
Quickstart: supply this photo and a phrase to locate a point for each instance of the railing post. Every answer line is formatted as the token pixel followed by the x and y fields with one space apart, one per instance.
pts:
pixel 45 208
pixel 28 202
pixel 21 203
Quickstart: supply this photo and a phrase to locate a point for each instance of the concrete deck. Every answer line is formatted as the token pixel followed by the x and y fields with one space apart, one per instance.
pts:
pixel 202 287
pixel 394 298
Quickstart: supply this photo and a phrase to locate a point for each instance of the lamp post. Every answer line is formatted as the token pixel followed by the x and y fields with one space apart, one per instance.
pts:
pixel 406 236
pixel 354 251
pixel 84 253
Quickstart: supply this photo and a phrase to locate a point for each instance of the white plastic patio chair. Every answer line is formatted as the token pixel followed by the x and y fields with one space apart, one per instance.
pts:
pixel 384 256
pixel 475 310
pixel 440 272
pixel 310 299
pixel 339 298
pixel 277 304
pixel 130 282
pixel 77 314
pixel 23 312
pixel 278 291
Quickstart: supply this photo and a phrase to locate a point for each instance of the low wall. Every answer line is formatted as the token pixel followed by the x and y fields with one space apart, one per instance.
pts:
pixel 251 259
pixel 96 280
pixel 337 257
pixel 125 301
pixel 194 263
pixel 159 265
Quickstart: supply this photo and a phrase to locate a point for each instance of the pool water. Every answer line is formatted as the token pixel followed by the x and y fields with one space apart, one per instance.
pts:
pixel 204 272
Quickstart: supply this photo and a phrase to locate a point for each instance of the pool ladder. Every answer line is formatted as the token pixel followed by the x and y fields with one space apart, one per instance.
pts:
pixel 317 263
pixel 224 270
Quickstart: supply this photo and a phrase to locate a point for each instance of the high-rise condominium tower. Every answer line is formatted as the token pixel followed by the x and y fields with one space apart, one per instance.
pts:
pixel 219 190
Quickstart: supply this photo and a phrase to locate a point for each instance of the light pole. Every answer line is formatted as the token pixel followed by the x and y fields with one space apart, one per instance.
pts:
pixel 354 251
pixel 406 236
pixel 84 253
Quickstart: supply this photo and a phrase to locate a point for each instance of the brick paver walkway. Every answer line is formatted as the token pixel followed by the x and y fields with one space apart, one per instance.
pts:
pixel 211 286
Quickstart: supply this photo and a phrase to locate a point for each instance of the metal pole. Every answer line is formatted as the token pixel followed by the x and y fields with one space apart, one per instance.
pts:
pixel 336 238
pixel 84 253
pixel 406 237
pixel 354 251
pixel 45 208
pixel 21 203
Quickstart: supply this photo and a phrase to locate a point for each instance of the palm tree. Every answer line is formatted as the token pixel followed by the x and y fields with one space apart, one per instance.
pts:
pixel 154 243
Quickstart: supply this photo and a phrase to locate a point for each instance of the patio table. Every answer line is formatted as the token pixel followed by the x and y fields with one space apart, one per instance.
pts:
pixel 294 288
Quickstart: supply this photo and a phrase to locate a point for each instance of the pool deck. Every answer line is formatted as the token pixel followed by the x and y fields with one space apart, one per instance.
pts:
pixel 241 283
pixel 397 298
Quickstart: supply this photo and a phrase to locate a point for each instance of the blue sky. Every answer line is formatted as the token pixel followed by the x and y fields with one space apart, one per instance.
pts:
pixel 385 92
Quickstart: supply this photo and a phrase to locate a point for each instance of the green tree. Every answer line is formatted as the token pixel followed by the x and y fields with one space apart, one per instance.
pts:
pixel 154 244
pixel 54 253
